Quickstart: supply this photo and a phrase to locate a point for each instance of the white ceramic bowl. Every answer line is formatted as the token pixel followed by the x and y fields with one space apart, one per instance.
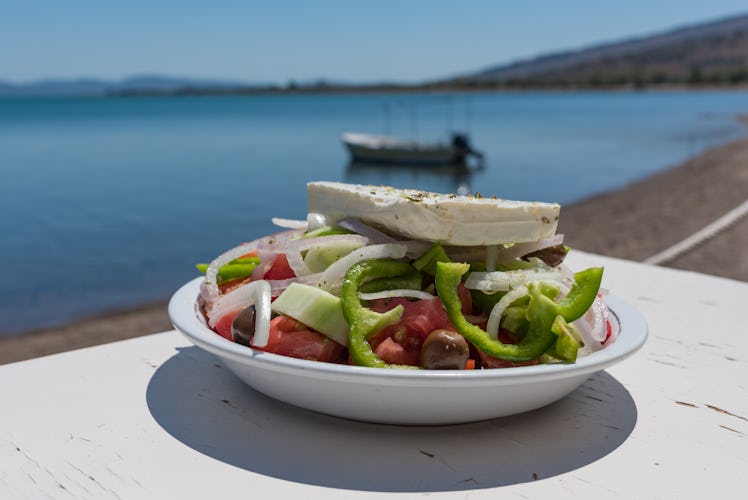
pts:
pixel 421 397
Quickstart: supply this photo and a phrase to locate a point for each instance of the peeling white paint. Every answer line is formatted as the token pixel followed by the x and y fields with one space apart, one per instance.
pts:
pixel 135 419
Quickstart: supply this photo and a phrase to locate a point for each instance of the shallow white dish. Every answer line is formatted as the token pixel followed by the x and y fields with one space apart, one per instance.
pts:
pixel 403 396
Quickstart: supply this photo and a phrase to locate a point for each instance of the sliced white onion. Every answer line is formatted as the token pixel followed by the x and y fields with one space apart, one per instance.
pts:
pixel 280 240
pixel 600 312
pixel 208 294
pixel 516 251
pixel 257 293
pixel 375 235
pixel 332 278
pixel 504 254
pixel 614 327
pixel 593 325
pixel 501 281
pixel 209 288
pixel 267 259
pixel 278 286
pixel 238 298
pixel 332 240
pixel 269 247
pixel 290 223
pixel 337 240
pixel 388 294
pixel 494 319
pixel 294 248
pixel 296 261
pixel 584 327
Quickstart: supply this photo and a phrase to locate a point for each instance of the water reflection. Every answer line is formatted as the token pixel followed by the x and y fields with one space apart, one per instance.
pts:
pixel 440 177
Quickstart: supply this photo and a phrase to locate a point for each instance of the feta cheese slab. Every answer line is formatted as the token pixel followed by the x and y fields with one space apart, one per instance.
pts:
pixel 447 218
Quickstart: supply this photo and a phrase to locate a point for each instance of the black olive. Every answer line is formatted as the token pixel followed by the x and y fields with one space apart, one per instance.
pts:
pixel 243 326
pixel 444 350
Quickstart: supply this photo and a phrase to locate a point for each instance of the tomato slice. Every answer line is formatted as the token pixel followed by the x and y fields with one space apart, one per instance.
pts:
pixel 223 327
pixel 391 352
pixel 290 338
pixel 401 343
pixel 280 270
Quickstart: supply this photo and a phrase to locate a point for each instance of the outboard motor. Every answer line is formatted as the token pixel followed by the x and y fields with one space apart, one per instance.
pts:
pixel 461 144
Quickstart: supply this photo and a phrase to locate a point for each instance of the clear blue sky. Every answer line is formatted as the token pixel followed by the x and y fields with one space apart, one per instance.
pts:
pixel 275 41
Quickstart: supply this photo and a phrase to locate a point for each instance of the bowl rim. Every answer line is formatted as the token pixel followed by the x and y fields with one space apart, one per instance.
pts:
pixel 184 316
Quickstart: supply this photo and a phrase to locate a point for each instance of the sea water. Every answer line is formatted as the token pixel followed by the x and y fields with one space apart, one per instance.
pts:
pixel 108 203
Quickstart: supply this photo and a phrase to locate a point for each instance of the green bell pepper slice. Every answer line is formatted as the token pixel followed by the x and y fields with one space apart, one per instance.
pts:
pixel 363 321
pixel 541 312
pixel 566 346
pixel 427 262
pixel 241 267
pixel 412 280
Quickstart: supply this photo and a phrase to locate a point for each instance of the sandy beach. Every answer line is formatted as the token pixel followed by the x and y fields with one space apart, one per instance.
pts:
pixel 634 223
pixel 654 213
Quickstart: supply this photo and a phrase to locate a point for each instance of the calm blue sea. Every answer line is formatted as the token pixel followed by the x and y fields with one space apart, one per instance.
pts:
pixel 107 203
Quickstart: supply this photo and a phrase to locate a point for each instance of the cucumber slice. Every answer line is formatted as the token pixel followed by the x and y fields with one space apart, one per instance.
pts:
pixel 318 258
pixel 315 308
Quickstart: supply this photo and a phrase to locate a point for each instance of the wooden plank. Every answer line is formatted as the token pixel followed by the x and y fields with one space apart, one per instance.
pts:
pixel 154 417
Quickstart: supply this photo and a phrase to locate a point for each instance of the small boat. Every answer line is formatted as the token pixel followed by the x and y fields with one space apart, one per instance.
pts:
pixel 384 149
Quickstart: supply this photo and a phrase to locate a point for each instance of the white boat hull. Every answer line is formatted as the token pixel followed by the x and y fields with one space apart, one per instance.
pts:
pixel 380 149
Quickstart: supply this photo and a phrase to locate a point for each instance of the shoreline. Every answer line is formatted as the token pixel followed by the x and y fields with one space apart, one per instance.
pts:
pixel 633 222
pixel 647 216
pixel 374 90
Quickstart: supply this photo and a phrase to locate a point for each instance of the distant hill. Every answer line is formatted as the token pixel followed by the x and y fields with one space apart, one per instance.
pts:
pixel 710 53
pixel 713 53
pixel 147 84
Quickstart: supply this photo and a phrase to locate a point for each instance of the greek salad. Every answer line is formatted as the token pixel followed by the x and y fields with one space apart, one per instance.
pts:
pixel 340 289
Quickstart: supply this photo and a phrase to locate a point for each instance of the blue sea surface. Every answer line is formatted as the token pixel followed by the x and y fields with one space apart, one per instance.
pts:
pixel 108 203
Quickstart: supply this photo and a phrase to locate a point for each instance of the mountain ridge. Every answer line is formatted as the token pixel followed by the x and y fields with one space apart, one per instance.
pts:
pixel 86 86
pixel 714 51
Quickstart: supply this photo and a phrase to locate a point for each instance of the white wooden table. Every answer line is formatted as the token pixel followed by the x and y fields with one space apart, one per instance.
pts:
pixel 155 417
